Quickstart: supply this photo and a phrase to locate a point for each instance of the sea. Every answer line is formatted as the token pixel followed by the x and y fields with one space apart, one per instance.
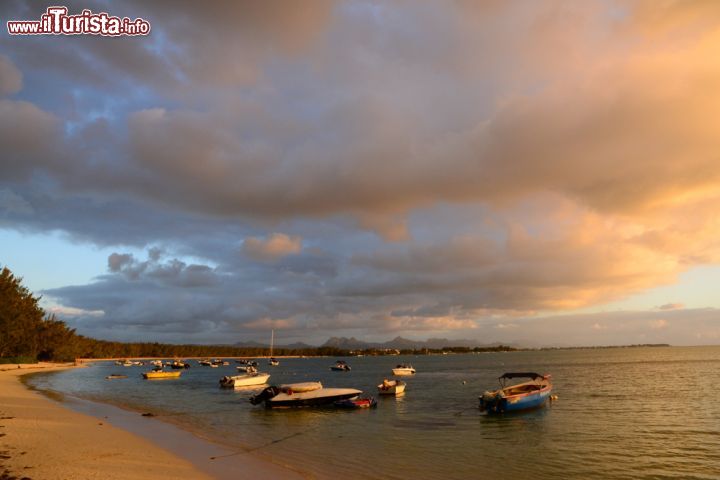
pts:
pixel 620 413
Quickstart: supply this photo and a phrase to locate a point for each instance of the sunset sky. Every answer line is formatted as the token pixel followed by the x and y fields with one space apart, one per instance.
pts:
pixel 536 172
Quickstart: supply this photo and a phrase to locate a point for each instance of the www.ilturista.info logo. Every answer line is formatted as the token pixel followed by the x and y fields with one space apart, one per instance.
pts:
pixel 56 21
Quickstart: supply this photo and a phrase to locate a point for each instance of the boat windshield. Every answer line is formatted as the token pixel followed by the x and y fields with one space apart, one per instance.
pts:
pixel 507 376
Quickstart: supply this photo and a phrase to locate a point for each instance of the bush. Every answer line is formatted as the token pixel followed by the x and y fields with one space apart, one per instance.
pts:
pixel 17 360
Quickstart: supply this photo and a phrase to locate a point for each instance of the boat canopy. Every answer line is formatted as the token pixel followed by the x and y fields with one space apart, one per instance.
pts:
pixel 520 375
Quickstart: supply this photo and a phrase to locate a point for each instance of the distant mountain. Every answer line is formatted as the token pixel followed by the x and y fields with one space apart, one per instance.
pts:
pixel 401 343
pixel 344 343
pixel 253 344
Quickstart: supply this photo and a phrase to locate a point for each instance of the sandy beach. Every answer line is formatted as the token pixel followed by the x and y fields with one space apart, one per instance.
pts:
pixel 41 439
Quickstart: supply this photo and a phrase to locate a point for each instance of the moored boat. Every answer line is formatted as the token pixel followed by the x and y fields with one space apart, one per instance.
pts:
pixel 244 380
pixel 522 396
pixel 177 365
pixel 403 369
pixel 155 374
pixel 340 366
pixel 273 362
pixel 115 376
pixel 391 387
pixel 302 395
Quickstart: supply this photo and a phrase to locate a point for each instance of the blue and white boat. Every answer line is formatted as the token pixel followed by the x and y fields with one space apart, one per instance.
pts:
pixel 522 396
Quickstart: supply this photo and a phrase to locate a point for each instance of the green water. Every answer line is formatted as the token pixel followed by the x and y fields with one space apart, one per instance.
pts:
pixel 622 413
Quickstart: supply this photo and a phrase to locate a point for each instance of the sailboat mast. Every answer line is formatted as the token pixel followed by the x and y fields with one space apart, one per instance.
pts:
pixel 272 342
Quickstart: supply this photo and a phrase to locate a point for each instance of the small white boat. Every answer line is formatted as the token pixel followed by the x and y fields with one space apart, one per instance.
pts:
pixel 391 387
pixel 403 369
pixel 244 380
pixel 340 366
pixel 291 395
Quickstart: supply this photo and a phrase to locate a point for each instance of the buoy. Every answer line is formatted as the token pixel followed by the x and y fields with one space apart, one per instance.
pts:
pixel 553 397
pixel 464 382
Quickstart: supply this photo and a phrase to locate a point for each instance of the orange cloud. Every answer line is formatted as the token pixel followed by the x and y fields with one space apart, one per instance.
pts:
pixel 275 246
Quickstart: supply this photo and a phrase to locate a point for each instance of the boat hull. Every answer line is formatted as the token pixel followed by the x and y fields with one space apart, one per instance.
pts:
pixel 356 403
pixel 391 388
pixel 244 380
pixel 160 375
pixel 274 398
pixel 399 372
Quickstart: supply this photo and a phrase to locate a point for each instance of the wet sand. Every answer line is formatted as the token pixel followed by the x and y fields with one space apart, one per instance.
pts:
pixel 41 439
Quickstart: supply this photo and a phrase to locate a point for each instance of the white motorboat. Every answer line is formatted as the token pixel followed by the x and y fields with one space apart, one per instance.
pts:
pixel 391 387
pixel 307 394
pixel 403 369
pixel 340 366
pixel 244 380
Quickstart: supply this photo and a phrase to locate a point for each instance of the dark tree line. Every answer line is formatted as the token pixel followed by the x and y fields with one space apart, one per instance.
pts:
pixel 28 334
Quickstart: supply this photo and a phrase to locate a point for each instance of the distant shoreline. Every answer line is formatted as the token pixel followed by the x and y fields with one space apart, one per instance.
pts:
pixel 450 350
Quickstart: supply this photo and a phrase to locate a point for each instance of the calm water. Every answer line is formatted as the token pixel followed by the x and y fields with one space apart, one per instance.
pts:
pixel 622 413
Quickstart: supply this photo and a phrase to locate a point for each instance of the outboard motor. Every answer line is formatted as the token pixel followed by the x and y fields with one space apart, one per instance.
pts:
pixel 266 394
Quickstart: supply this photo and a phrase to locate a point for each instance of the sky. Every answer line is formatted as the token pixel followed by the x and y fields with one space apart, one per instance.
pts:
pixel 537 173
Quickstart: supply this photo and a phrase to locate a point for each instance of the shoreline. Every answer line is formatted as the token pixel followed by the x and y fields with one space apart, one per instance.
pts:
pixel 42 438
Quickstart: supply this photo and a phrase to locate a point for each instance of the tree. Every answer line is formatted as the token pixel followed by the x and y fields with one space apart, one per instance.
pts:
pixel 20 317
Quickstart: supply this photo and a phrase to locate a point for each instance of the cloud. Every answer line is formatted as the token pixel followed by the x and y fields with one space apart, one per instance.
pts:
pixel 671 306
pixel 418 185
pixel 658 324
pixel 10 77
pixel 266 324
pixel 70 312
pixel 273 247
